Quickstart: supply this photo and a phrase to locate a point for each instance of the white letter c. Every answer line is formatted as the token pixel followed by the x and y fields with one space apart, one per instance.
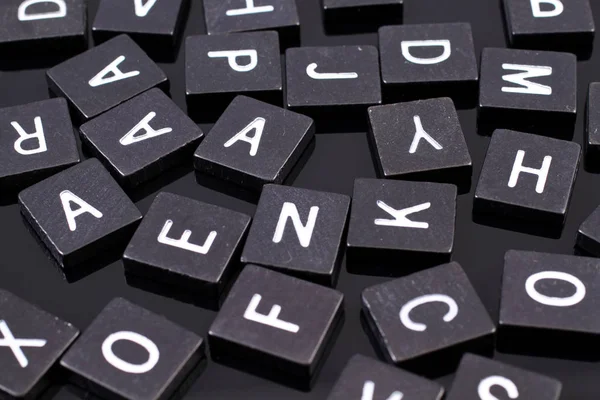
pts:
pixel 483 390
pixel 430 298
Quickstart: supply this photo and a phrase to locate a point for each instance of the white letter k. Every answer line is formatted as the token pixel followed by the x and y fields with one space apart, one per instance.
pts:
pixel 400 216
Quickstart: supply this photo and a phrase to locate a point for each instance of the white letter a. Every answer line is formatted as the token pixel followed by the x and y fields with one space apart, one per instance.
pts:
pixel 258 125
pixel 130 137
pixel 66 198
pixel 117 74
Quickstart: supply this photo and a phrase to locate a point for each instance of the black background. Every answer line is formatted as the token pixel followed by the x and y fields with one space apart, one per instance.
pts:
pixel 336 161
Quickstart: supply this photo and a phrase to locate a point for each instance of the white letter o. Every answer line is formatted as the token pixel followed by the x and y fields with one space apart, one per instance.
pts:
pixel 153 353
pixel 555 301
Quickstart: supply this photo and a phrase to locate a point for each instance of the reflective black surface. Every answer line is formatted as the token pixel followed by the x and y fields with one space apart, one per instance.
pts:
pixel 337 159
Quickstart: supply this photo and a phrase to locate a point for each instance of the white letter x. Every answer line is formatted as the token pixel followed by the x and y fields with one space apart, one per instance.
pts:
pixel 16 344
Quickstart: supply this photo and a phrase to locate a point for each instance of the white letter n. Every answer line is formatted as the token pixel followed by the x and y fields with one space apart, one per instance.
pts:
pixel 304 232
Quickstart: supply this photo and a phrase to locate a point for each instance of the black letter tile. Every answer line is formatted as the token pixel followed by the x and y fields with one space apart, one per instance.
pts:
pixel 392 220
pixel 549 305
pixel 129 352
pixel 36 29
pixel 425 322
pixel 420 140
pixel 36 141
pixel 588 236
pixel 550 25
pixel 217 68
pixel 276 326
pixel 528 177
pixel 105 76
pixel 154 25
pixel 592 128
pixel 356 16
pixel 481 378
pixel 80 212
pixel 246 145
pixel 333 83
pixel 299 232
pixel 419 61
pixel 31 342
pixel 225 16
pixel 530 90
pixel 141 138
pixel 189 244
pixel 368 379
